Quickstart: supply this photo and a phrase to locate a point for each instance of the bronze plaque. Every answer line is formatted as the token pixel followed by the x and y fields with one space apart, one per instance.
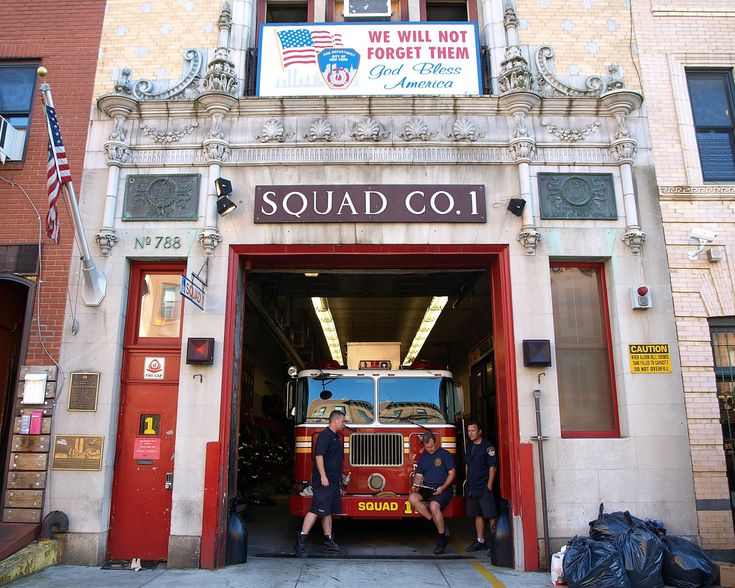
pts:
pixel 161 197
pixel 83 388
pixel 78 452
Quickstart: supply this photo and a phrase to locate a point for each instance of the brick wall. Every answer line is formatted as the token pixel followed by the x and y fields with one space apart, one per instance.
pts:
pixel 64 38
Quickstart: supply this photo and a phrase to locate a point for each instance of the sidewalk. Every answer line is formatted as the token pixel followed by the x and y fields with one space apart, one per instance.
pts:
pixel 263 572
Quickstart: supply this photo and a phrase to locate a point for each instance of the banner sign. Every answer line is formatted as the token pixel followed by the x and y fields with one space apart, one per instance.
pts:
pixel 362 203
pixel 369 59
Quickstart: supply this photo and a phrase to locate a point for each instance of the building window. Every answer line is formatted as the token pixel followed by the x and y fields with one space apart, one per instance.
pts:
pixel 584 362
pixel 723 350
pixel 17 86
pixel 711 95
pixel 446 11
pixel 286 12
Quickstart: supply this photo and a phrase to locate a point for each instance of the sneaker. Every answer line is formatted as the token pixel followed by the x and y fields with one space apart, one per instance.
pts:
pixel 441 545
pixel 299 548
pixel 329 546
pixel 476 546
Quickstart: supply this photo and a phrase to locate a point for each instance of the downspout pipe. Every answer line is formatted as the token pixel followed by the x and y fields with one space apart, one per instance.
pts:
pixel 540 438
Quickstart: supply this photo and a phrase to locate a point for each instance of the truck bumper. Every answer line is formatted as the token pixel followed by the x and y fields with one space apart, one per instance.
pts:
pixel 372 507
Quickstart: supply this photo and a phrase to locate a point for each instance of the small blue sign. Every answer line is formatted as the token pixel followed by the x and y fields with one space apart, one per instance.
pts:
pixel 338 67
pixel 192 292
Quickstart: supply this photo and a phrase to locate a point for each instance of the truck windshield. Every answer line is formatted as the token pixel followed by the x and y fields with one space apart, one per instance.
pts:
pixel 411 399
pixel 352 396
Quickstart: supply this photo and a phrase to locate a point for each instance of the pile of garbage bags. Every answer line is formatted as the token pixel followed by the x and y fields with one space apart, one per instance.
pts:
pixel 623 551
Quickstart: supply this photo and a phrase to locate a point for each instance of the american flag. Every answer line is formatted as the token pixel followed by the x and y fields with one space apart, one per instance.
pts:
pixel 57 173
pixel 302 45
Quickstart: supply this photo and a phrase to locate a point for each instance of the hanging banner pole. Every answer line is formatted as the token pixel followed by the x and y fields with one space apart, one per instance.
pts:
pixel 95 282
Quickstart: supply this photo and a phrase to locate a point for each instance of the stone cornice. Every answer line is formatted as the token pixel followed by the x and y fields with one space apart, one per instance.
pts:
pixel 698 193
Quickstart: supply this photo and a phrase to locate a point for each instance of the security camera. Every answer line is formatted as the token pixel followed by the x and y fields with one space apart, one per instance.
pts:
pixel 702 235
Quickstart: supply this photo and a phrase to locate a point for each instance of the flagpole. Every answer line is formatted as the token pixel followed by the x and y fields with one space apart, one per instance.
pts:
pixel 95 282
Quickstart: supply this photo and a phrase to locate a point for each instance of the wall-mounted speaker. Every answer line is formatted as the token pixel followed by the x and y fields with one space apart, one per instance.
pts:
pixel 516 206
pixel 536 352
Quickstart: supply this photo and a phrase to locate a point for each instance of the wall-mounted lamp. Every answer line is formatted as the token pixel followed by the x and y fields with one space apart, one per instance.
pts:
pixel 516 206
pixel 200 350
pixel 536 352
pixel 224 205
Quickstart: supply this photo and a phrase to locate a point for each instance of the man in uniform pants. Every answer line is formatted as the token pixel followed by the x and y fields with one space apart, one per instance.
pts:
pixel 326 475
pixel 481 465
pixel 436 466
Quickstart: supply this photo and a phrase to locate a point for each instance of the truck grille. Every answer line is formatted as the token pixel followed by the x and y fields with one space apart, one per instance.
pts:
pixel 376 449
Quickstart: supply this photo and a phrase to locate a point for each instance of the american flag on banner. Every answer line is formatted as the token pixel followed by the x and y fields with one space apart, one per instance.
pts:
pixel 300 46
pixel 57 173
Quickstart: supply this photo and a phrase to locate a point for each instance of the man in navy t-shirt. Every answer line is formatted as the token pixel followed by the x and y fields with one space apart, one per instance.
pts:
pixel 326 476
pixel 436 467
pixel 481 465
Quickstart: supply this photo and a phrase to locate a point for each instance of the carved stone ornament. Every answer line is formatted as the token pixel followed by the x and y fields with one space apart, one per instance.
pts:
pixel 106 239
pixel 187 87
pixel 220 76
pixel 464 129
pixel 116 153
pixel 216 131
pixel 514 72
pixel 634 238
pixel 522 149
pixel 624 150
pixel 321 130
pixel 272 131
pixel 216 151
pixel 369 129
pixel 123 84
pixel 529 237
pixel 550 85
pixel 209 239
pixel 165 137
pixel 417 129
pixel 570 135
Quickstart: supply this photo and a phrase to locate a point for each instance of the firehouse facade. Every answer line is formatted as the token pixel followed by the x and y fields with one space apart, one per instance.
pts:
pixel 387 151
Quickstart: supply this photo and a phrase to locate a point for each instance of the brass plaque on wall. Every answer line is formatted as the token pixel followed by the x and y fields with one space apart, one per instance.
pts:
pixel 83 388
pixel 161 197
pixel 78 452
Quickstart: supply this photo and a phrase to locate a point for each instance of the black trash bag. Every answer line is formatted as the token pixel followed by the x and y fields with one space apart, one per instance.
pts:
pixel 642 553
pixel 606 526
pixel 593 564
pixel 686 565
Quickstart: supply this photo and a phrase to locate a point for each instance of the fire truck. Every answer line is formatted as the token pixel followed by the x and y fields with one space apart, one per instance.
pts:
pixel 387 409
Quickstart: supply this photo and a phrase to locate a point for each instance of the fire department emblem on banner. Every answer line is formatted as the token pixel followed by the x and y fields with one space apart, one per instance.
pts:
pixel 338 66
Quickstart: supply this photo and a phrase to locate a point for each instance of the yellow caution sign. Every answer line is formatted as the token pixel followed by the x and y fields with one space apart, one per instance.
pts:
pixel 649 358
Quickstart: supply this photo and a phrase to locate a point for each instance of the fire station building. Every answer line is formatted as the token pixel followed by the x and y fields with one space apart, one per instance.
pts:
pixel 267 184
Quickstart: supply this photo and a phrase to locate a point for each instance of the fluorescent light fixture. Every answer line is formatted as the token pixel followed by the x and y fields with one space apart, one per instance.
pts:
pixel 430 317
pixel 321 307
pixel 311 274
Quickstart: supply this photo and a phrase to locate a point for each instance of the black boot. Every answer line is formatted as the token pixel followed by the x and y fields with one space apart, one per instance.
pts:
pixel 299 548
pixel 441 545
pixel 329 546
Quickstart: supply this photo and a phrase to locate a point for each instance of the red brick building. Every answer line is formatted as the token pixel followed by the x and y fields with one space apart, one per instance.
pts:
pixel 65 40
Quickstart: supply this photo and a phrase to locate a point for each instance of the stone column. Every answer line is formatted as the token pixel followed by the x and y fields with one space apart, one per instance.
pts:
pixel 117 152
pixel 620 103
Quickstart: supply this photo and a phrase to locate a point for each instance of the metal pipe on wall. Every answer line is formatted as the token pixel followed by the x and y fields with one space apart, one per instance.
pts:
pixel 540 438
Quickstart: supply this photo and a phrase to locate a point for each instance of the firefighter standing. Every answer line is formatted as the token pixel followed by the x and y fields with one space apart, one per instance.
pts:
pixel 481 465
pixel 436 466
pixel 326 476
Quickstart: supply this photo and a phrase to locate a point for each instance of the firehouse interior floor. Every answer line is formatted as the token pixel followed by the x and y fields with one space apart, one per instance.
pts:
pixel 281 329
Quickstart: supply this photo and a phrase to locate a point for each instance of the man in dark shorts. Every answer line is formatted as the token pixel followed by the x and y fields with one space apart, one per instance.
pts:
pixel 326 476
pixel 481 466
pixel 436 467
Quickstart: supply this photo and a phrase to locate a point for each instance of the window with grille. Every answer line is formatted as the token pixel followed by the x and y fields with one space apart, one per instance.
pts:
pixel 584 362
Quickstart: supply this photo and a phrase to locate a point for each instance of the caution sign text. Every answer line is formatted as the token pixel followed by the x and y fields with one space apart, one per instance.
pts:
pixel 649 358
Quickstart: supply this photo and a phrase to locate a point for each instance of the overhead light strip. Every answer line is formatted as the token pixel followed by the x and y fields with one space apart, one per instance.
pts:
pixel 321 307
pixel 430 317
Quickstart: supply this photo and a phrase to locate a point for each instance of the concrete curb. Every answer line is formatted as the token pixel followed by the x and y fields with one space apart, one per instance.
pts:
pixel 33 558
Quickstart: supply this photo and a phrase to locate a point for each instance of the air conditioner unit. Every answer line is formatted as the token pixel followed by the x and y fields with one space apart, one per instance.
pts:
pixel 11 141
pixel 367 8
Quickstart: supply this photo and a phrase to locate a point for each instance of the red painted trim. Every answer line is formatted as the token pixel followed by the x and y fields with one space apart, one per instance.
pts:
pixel 210 510
pixel 602 284
pixel 330 11
pixel 528 506
pixel 472 11
pixel 494 257
pixel 404 10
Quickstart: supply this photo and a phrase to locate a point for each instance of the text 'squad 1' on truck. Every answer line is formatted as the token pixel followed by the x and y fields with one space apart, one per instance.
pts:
pixel 386 409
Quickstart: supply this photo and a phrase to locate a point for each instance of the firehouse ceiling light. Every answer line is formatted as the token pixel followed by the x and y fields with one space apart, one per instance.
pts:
pixel 430 317
pixel 223 188
pixel 321 307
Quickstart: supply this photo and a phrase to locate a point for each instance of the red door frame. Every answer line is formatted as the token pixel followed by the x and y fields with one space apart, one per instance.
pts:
pixel 515 469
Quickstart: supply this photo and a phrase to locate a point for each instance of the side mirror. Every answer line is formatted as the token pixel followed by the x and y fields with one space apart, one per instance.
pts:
pixel 290 403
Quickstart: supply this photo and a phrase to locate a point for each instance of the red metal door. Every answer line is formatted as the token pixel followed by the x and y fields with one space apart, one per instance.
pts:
pixel 140 519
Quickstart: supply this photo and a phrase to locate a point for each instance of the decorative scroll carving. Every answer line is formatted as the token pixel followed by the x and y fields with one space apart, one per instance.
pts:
pixel 209 239
pixel 164 137
pixel 215 131
pixel 116 152
pixel 321 130
pixel 529 238
pixel 123 85
pixel 712 190
pixel 417 129
pixel 570 135
pixel 624 150
pixel 106 239
pixel 188 87
pixel 464 129
pixel 369 129
pixel 522 149
pixel 550 85
pixel 118 132
pixel 634 238
pixel 216 150
pixel 273 131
